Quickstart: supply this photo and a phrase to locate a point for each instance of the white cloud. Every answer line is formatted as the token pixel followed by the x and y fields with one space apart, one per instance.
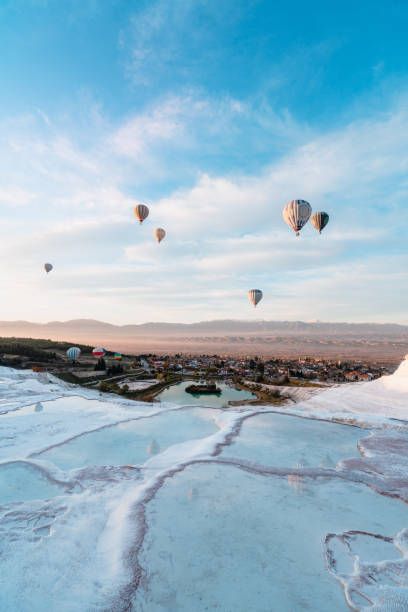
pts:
pixel 350 173
pixel 188 121
pixel 15 196
pixel 140 132
pixel 225 231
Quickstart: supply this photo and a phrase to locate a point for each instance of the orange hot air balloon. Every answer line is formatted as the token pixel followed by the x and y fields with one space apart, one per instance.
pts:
pixel 255 296
pixel 159 234
pixel 141 212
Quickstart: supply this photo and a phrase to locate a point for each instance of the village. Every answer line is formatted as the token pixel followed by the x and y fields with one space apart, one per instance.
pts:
pixel 143 377
pixel 273 371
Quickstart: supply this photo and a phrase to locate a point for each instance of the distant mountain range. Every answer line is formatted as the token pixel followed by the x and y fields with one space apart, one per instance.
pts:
pixel 77 328
pixel 386 342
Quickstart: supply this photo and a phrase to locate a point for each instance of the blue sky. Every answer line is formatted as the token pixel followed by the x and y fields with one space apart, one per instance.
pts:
pixel 215 114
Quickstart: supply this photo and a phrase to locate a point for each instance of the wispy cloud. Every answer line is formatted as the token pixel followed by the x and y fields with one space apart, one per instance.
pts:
pixel 164 123
pixel 158 34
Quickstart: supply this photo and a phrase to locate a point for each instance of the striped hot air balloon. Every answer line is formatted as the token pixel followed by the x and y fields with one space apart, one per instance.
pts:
pixel 255 296
pixel 159 234
pixel 73 353
pixel 117 356
pixel 98 352
pixel 319 220
pixel 141 212
pixel 296 214
pixel 48 267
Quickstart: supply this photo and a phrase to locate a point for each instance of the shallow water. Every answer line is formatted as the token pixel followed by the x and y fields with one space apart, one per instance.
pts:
pixel 22 482
pixel 280 439
pixel 133 442
pixel 176 394
pixel 244 541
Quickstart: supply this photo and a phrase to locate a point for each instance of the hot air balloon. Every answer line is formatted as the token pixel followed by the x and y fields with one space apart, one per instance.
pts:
pixel 296 214
pixel 255 296
pixel 48 267
pixel 73 353
pixel 98 352
pixel 319 220
pixel 159 234
pixel 141 212
pixel 117 356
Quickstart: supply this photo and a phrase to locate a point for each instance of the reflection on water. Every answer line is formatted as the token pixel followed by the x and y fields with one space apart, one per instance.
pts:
pixel 192 494
pixel 295 481
pixel 177 395
pixel 153 448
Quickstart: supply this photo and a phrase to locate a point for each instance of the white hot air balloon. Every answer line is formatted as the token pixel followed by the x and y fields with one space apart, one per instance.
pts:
pixel 296 214
pixel 48 267
pixel 141 212
pixel 159 234
pixel 255 296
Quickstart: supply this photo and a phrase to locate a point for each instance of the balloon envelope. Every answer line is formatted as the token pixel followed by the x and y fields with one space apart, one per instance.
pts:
pixel 117 356
pixel 255 296
pixel 319 220
pixel 98 352
pixel 73 352
pixel 48 267
pixel 141 212
pixel 159 234
pixel 296 214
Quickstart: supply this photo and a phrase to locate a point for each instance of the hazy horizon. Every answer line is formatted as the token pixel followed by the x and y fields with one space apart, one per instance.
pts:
pixel 369 341
pixel 210 320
